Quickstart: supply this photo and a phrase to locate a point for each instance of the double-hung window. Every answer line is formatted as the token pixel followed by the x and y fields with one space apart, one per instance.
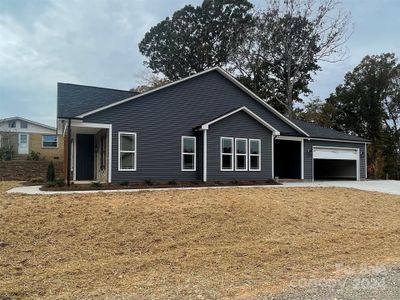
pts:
pixel 240 154
pixel 254 155
pixel 127 151
pixel 188 155
pixel 226 154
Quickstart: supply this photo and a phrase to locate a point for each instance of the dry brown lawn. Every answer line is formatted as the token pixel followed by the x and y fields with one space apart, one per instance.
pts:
pixel 233 243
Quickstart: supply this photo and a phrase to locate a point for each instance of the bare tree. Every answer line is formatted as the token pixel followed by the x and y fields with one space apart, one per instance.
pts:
pixel 291 38
pixel 150 81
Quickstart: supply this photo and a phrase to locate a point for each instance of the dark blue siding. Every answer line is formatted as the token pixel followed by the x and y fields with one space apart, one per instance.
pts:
pixel 161 118
pixel 239 125
pixel 308 155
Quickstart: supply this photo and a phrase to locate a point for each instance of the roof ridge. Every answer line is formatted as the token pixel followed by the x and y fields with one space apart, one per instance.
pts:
pixel 97 87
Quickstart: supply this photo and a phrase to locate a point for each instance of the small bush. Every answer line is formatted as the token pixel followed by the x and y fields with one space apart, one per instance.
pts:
pixel 96 184
pixel 172 182
pixel 148 182
pixel 51 172
pixel 6 152
pixel 50 184
pixel 60 182
pixel 235 182
pixel 37 180
pixel 34 155
pixel 124 183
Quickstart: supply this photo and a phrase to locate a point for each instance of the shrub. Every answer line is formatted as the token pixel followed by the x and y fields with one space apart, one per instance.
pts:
pixel 96 184
pixel 34 155
pixel 148 182
pixel 37 180
pixel 235 182
pixel 6 152
pixel 50 184
pixel 124 183
pixel 60 182
pixel 172 182
pixel 51 172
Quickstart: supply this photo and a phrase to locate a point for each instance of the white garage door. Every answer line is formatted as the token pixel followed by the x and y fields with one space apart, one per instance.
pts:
pixel 331 154
pixel 335 153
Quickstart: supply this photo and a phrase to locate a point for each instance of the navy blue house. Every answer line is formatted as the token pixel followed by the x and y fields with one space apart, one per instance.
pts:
pixel 204 127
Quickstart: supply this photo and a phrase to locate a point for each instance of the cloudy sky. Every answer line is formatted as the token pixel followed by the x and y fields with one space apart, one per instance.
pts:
pixel 94 42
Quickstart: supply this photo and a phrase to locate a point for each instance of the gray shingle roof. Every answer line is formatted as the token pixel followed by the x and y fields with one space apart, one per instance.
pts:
pixel 317 131
pixel 75 99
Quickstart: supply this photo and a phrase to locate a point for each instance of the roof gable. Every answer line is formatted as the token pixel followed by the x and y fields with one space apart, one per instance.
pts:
pixel 27 121
pixel 216 69
pixel 206 125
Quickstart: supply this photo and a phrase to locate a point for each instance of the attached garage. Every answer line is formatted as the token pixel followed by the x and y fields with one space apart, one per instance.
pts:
pixel 336 163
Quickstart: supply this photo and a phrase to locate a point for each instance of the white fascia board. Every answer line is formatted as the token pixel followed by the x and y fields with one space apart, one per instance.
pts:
pixel 246 110
pixel 336 140
pixel 223 73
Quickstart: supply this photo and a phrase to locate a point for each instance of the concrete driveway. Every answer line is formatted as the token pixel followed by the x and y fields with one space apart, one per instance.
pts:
pixel 383 186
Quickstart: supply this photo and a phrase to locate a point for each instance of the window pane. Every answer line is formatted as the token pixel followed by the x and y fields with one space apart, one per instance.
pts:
pixel 24 124
pixel 241 162
pixel 227 161
pixel 49 141
pixel 23 138
pixel 127 142
pixel 188 145
pixel 127 160
pixel 188 161
pixel 226 145
pixel 241 146
pixel 254 162
pixel 11 124
pixel 254 147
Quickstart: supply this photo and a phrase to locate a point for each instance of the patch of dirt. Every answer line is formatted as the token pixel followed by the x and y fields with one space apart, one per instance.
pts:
pixel 224 243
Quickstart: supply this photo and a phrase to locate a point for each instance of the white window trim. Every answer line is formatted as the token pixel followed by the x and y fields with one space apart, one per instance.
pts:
pixel 49 147
pixel 245 155
pixel 232 154
pixel 187 153
pixel 256 155
pixel 125 151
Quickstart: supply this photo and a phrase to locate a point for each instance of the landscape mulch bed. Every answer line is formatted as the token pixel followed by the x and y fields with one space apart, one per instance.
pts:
pixel 189 244
pixel 144 185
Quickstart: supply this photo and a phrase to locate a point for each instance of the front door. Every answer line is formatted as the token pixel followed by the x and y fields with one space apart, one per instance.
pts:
pixel 23 143
pixel 84 157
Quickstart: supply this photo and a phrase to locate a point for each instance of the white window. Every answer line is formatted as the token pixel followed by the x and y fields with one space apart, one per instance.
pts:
pixel 226 154
pixel 254 155
pixel 188 149
pixel 49 141
pixel 127 151
pixel 240 154
pixel 12 124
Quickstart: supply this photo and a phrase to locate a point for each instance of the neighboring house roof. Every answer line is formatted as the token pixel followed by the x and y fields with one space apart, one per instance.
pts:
pixel 316 131
pixel 28 121
pixel 75 99
pixel 244 109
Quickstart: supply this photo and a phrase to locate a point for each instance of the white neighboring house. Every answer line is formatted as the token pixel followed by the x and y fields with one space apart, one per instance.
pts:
pixel 25 135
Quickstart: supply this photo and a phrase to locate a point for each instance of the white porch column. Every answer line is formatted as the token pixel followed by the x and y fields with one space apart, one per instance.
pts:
pixel 205 155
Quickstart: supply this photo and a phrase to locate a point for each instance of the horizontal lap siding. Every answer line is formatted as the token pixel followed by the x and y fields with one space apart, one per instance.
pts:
pixel 308 156
pixel 161 118
pixel 239 125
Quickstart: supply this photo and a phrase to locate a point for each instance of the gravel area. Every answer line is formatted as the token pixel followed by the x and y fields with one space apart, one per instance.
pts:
pixel 381 282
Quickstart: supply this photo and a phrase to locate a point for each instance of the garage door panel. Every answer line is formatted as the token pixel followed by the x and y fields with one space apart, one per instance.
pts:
pixel 335 153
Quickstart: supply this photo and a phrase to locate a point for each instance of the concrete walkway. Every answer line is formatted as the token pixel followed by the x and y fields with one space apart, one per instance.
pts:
pixel 383 186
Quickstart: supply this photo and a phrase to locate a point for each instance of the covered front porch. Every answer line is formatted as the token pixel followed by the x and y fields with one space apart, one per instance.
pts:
pixel 88 151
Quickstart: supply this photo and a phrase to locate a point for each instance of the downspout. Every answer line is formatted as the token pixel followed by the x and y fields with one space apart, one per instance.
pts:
pixel 69 153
